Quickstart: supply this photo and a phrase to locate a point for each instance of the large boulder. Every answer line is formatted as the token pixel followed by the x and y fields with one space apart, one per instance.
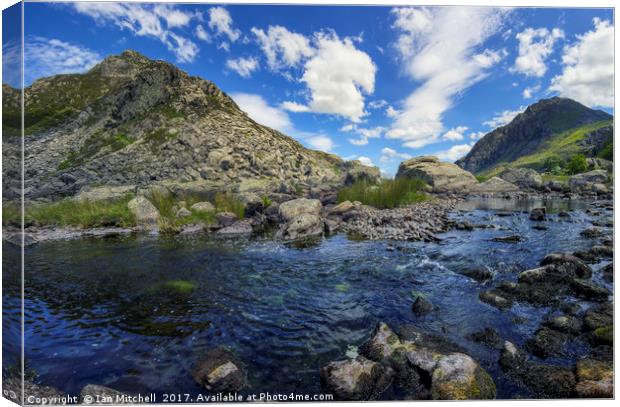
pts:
pixel 355 379
pixel 588 181
pixel 526 178
pixel 440 176
pixel 144 211
pixel 301 219
pixel 220 371
pixel 458 377
pixel 495 185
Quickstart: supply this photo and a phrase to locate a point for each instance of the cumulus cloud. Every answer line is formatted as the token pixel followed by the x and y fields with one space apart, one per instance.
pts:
pixel 48 56
pixel 260 111
pixel 338 76
pixel 154 21
pixel 295 107
pixel 320 142
pixel 588 73
pixel 477 135
pixel 439 48
pixel 202 34
pixel 503 118
pixel 535 45
pixel 389 154
pixel 455 134
pixel 529 91
pixel 377 104
pixel 455 152
pixel 221 22
pixel 365 161
pixel 363 133
pixel 283 48
pixel 243 66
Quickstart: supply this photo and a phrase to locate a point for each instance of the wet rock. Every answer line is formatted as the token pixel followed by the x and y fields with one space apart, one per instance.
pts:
pixel 508 239
pixel 599 316
pixel 603 336
pixel 96 394
pixel 220 371
pixel 586 256
pixel 203 207
pixel 608 272
pixel 464 225
pixel 571 309
pixel 595 379
pixel 355 379
pixel 144 211
pixel 488 336
pixel 421 306
pixel 494 298
pixel 564 214
pixel 538 214
pixel 591 233
pixel 481 273
pixel 225 219
pixel 602 251
pixel 458 377
pixel 589 290
pixel 586 180
pixel 567 264
pixel 537 275
pixel 547 342
pixel 241 227
pixel 566 324
pixel 540 227
pixel 16 239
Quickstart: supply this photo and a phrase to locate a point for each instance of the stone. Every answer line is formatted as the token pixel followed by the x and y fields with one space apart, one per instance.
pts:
pixel 241 227
pixel 567 264
pixel 591 233
pixel 565 323
pixel 220 371
pixel 96 394
pixel 356 379
pixel 302 219
pixel 495 299
pixel 421 306
pixel 458 377
pixel 105 193
pixel 525 178
pixel 440 176
pixel 585 181
pixel 538 214
pixel 589 290
pixel 608 272
pixel 595 379
pixel 203 207
pixel 599 316
pixel 183 213
pixel 481 273
pixel 292 209
pixel 495 185
pixel 225 219
pixel 547 342
pixel 508 239
pixel 145 212
pixel 489 337
pixel 342 208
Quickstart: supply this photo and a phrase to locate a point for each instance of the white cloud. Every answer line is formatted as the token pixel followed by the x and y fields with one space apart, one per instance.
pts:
pixel 260 111
pixel 337 76
pixel 455 134
pixel 364 133
pixel 588 74
pixel 440 48
pixel 146 21
pixel 320 142
pixel 535 45
pixel 455 152
pixel 283 48
pixel 243 66
pixel 221 22
pixel 202 34
pixel 365 161
pixel 11 63
pixel 295 107
pixel 377 104
pixel 47 57
pixel 391 112
pixel 503 118
pixel 389 154
pixel 477 135
pixel 530 90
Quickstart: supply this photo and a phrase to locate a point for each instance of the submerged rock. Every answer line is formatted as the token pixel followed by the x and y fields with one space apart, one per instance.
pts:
pixel 421 306
pixel 355 379
pixel 481 273
pixel 591 233
pixel 508 239
pixel 489 337
pixel 494 298
pixel 538 214
pixel 220 371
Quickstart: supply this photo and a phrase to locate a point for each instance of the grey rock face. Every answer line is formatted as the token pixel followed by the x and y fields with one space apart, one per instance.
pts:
pixel 523 177
pixel 589 181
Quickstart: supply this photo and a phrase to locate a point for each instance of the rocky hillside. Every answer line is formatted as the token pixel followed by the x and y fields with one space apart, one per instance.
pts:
pixel 131 121
pixel 557 126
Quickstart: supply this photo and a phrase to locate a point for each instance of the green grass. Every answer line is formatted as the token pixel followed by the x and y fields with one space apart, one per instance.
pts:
pixel 562 145
pixel 69 212
pixel 607 152
pixel 387 194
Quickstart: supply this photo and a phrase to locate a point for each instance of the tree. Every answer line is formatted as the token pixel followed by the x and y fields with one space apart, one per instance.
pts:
pixel 577 164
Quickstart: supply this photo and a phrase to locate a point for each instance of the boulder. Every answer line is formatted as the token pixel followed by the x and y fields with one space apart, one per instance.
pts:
pixel 567 264
pixel 495 299
pixel 356 171
pixel 586 180
pixel 547 342
pixel 342 208
pixel 421 306
pixel 203 207
pixel 225 219
pixel 220 371
pixel 488 336
pixel 105 193
pixel 538 214
pixel 440 176
pixel 595 379
pixel 302 219
pixel 589 290
pixel 566 324
pixel 526 178
pixel 458 377
pixel 183 213
pixel 292 209
pixel 481 273
pixel 144 211
pixel 495 185
pixel 600 164
pixel 241 227
pixel 591 233
pixel 355 379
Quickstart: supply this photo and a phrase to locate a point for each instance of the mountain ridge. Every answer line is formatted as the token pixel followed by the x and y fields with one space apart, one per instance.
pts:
pixel 131 120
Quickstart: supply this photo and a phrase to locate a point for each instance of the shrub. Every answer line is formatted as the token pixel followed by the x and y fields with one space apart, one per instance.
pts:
pixel 387 194
pixel 266 201
pixel 577 164
pixel 554 164
pixel 607 152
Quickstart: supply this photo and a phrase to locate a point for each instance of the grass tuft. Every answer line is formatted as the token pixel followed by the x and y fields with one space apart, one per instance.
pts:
pixel 387 194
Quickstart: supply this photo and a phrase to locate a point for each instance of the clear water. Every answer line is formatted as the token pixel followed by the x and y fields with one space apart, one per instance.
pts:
pixel 96 311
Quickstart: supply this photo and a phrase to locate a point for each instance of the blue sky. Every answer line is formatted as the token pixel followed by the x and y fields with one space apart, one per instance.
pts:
pixel 378 84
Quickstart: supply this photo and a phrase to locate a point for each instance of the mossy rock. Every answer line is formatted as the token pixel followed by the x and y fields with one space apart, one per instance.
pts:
pixel 458 377
pixel 604 335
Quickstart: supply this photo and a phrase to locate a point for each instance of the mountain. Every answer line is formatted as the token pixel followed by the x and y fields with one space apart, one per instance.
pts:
pixel 551 127
pixel 132 121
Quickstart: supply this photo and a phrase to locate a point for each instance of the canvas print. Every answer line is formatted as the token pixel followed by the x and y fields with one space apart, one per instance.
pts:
pixel 226 202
